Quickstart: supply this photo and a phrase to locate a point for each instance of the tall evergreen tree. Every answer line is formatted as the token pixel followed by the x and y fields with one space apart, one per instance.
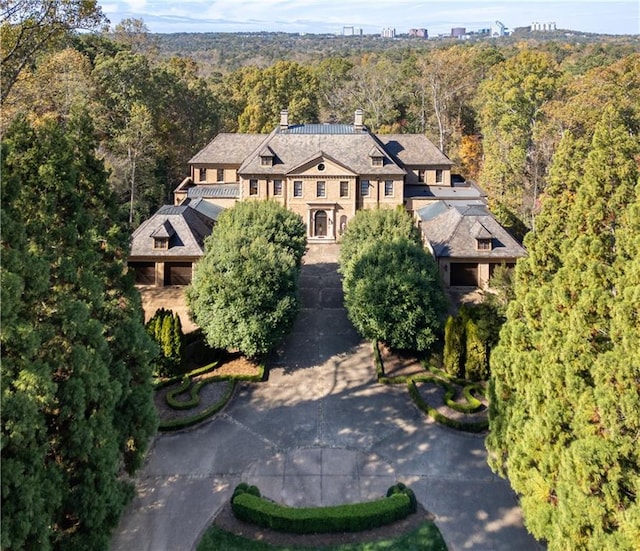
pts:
pixel 564 390
pixel 76 391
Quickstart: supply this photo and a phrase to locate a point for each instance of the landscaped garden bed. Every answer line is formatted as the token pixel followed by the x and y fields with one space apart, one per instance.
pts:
pixel 186 400
pixel 416 531
pixel 453 402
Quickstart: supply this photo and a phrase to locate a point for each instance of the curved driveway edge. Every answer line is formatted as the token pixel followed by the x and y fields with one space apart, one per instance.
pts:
pixel 320 431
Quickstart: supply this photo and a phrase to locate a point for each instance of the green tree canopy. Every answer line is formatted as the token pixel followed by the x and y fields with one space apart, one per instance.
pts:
pixel 564 389
pixel 244 290
pixel 372 225
pixel 76 377
pixel 392 294
pixel 391 284
pixel 510 106
pixel 30 27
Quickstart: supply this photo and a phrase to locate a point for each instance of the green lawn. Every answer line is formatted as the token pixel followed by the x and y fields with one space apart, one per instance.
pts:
pixel 424 538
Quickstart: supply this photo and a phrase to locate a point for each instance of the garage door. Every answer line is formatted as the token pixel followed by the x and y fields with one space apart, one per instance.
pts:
pixel 177 273
pixel 145 272
pixel 464 275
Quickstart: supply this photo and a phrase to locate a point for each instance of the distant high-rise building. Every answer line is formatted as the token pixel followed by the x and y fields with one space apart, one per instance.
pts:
pixel 388 32
pixel 535 26
pixel 419 33
pixel 458 32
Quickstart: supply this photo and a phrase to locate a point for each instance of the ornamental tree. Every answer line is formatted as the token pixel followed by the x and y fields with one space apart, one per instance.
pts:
pixel 244 290
pixel 392 294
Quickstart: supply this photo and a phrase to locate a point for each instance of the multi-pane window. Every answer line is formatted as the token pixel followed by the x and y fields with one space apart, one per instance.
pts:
pixel 364 188
pixel 484 244
pixel 297 188
pixel 277 187
pixel 421 176
pixel 253 187
pixel 160 243
pixel 266 161
pixel 377 161
pixel 438 176
pixel 344 189
pixel 202 174
pixel 320 189
pixel 388 188
pixel 220 175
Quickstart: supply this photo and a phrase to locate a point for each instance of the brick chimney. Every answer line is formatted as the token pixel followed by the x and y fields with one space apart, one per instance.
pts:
pixel 357 123
pixel 284 119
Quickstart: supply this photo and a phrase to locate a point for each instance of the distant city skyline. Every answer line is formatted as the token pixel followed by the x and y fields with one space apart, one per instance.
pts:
pixel 331 16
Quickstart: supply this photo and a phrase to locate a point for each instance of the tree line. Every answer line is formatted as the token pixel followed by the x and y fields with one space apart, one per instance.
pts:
pixel 496 108
pixel 96 131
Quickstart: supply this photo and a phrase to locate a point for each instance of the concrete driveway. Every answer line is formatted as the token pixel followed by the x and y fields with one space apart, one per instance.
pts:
pixel 320 431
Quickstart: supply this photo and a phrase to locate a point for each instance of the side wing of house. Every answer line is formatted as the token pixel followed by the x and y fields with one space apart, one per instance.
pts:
pixel 467 242
pixel 165 248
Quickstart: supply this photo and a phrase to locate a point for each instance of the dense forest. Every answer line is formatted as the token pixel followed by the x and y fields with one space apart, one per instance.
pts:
pixel 97 129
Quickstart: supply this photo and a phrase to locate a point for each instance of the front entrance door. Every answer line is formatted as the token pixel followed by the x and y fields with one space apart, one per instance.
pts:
pixel 320 227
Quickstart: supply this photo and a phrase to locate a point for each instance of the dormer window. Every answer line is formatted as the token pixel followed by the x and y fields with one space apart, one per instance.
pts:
pixel 484 243
pixel 377 157
pixel 202 174
pixel 162 235
pixel 161 243
pixel 266 156
pixel 483 237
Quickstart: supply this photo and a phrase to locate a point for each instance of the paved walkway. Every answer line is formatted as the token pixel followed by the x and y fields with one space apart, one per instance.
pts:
pixel 320 431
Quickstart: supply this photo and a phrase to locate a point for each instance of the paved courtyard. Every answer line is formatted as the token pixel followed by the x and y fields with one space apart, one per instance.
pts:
pixel 320 431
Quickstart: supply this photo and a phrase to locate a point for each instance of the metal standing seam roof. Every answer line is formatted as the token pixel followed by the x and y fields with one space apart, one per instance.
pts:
pixel 229 191
pixel 322 128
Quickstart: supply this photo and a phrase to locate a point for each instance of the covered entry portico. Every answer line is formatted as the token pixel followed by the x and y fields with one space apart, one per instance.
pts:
pixel 321 221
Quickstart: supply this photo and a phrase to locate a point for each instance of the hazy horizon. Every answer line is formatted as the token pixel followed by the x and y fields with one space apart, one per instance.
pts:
pixel 331 16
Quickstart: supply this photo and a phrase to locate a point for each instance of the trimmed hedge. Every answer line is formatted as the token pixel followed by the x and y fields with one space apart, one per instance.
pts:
pixel 380 374
pixel 184 422
pixel 354 517
pixel 466 426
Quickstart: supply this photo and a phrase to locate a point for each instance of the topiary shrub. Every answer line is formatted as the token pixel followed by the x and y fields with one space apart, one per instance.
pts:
pixel 166 329
pixel 476 367
pixel 249 507
pixel 401 488
pixel 453 346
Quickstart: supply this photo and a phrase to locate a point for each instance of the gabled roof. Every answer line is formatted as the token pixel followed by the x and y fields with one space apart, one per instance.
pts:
pixel 266 151
pixel 413 150
pixel 164 230
pixel 185 227
pixel 295 145
pixel 316 158
pixel 452 229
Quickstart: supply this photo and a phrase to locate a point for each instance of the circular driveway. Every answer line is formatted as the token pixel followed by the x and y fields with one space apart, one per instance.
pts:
pixel 320 431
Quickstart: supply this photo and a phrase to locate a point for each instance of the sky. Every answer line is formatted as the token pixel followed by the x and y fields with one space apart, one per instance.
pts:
pixel 331 16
